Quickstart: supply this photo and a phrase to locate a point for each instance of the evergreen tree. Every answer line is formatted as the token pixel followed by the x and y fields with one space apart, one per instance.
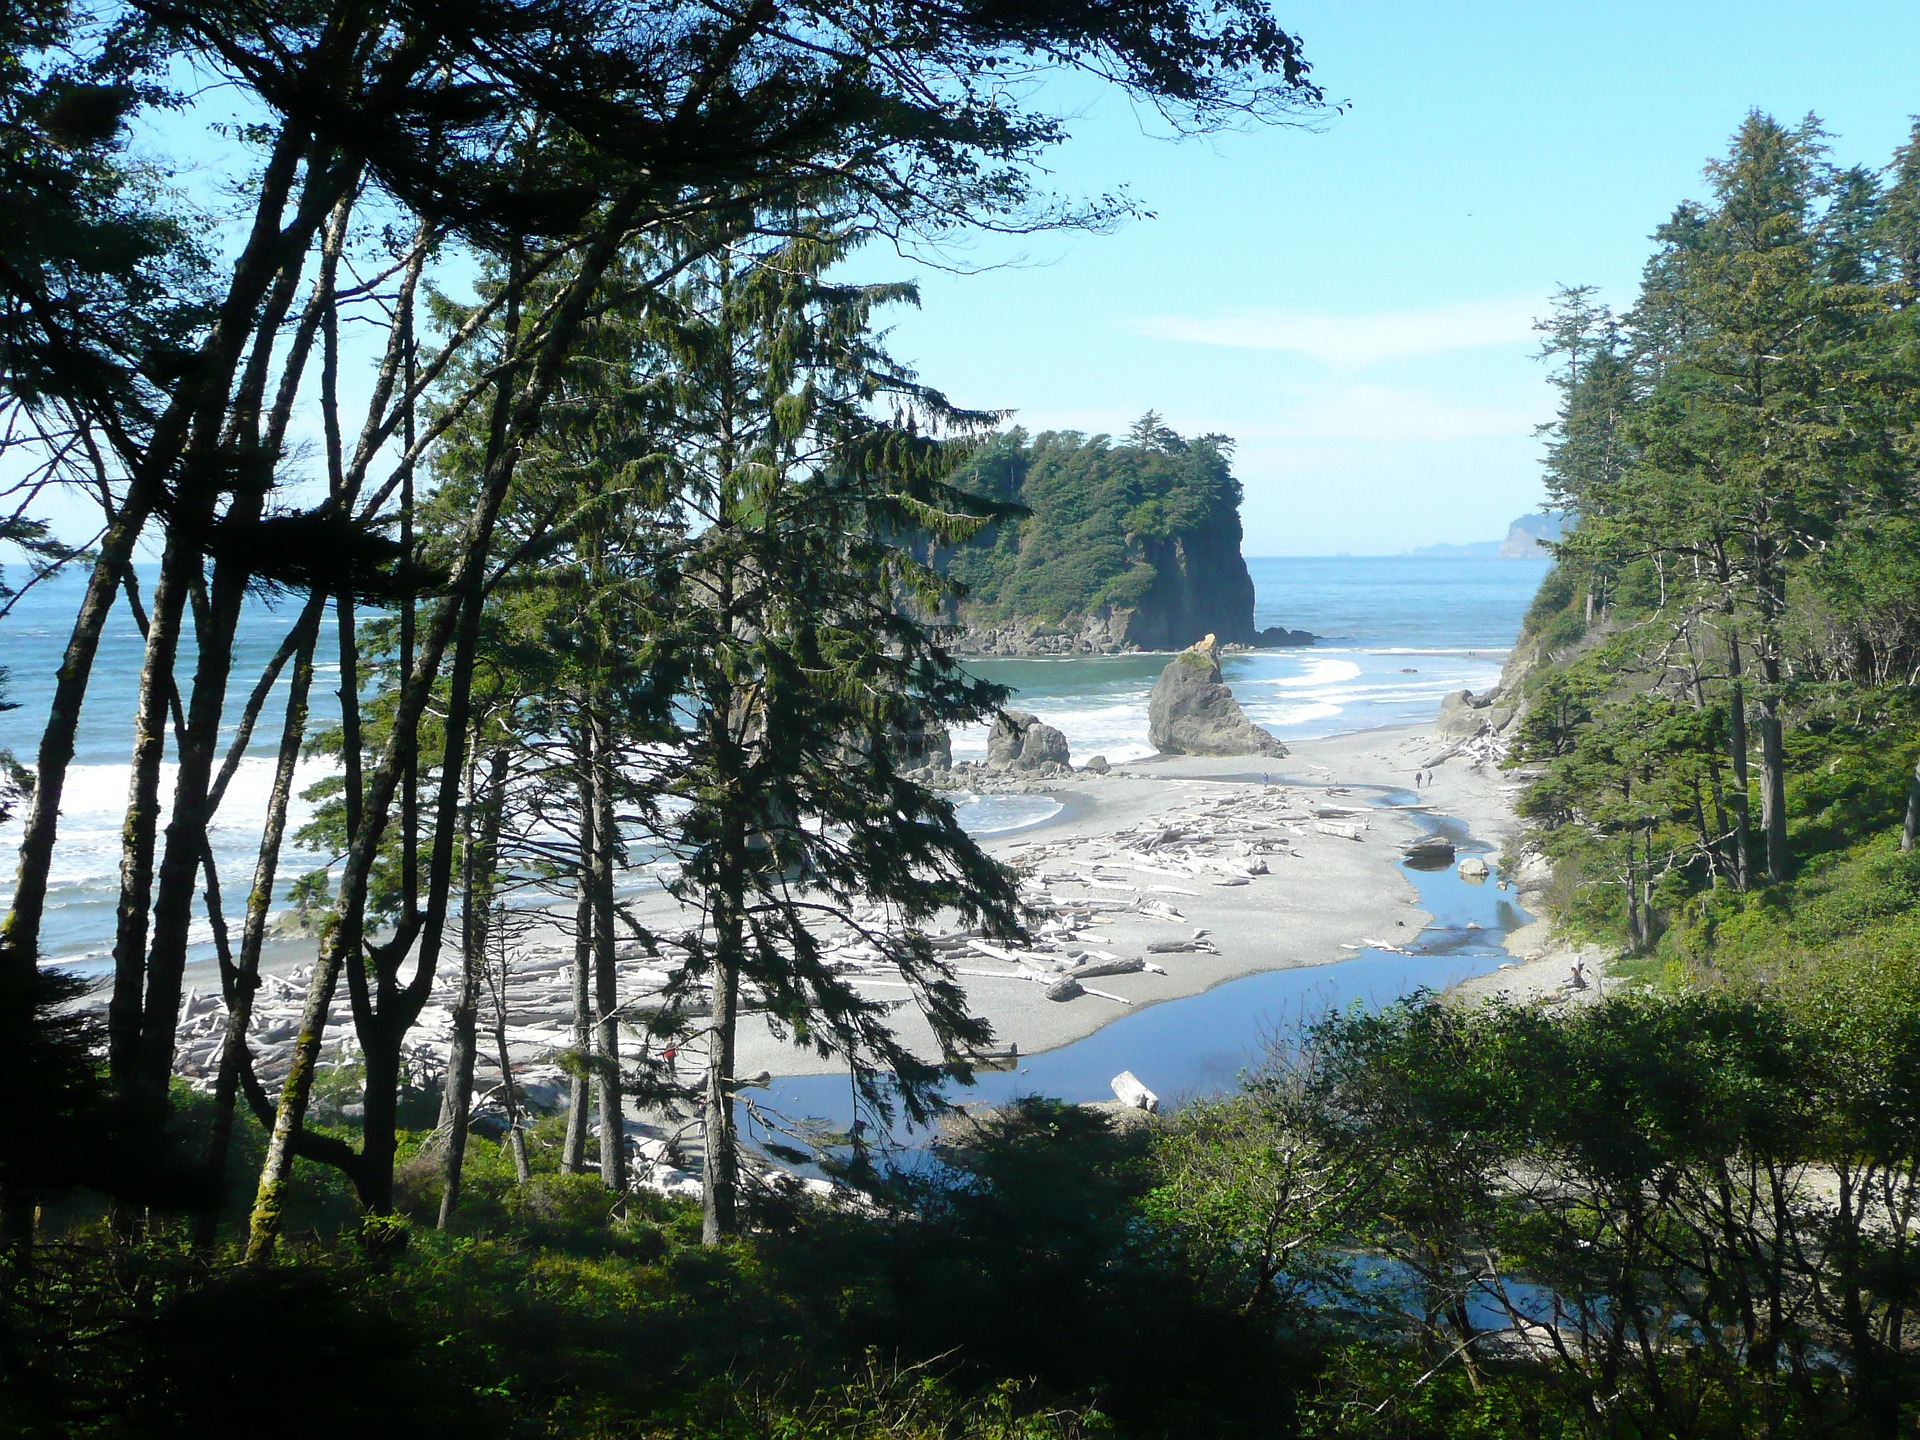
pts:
pixel 788 624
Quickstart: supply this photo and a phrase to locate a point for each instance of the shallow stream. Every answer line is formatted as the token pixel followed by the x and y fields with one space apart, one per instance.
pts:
pixel 1200 1044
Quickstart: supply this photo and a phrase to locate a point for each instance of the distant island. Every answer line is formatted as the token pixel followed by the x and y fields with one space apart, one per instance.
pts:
pixel 1528 538
pixel 1128 545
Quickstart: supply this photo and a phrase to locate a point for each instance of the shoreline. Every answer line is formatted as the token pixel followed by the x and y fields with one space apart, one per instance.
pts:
pixel 1194 867
pixel 1321 893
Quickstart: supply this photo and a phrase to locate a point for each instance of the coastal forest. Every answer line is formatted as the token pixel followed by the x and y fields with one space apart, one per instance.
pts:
pixel 516 367
pixel 1720 704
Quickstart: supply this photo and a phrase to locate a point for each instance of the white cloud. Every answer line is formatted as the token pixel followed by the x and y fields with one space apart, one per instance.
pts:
pixel 1351 341
pixel 1383 415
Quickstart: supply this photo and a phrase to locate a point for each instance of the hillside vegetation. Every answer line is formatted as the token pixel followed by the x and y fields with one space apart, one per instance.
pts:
pixel 1147 529
pixel 1723 727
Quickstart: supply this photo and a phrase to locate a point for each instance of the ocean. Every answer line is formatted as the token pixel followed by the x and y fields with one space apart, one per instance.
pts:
pixel 1398 633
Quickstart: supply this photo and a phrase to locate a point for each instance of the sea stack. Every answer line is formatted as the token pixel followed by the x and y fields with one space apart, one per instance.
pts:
pixel 1192 711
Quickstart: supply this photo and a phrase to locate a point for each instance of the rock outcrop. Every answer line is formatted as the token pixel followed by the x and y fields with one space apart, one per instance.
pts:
pixel 1111 630
pixel 1200 587
pixel 1278 637
pixel 923 746
pixel 1192 712
pixel 1466 716
pixel 1019 741
pixel 1125 545
pixel 1105 632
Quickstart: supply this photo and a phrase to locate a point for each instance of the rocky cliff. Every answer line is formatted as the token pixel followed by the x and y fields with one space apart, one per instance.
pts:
pixel 1493 713
pixel 1531 537
pixel 1131 546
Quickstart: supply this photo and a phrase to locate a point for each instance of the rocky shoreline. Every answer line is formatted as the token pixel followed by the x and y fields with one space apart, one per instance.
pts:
pixel 1106 633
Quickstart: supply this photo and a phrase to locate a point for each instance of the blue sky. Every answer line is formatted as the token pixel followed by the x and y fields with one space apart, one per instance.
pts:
pixel 1353 305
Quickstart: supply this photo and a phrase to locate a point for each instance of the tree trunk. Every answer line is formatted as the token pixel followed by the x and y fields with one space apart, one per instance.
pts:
pixel 613 1141
pixel 1773 772
pixel 1737 744
pixel 217 620
pixel 1910 827
pixel 186 839
pixel 383 1024
pixel 528 399
pixel 208 380
pixel 573 1155
pixel 509 1092
pixel 720 1177
pixel 245 981
pixel 1722 863
pixel 289 1118
pixel 132 1087
pixel 20 933
pixel 482 861
pixel 380 1117
pixel 219 419
pixel 20 930
pixel 456 1096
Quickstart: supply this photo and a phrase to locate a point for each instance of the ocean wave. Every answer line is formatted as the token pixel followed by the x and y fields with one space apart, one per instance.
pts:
pixel 1319 672
pixel 983 815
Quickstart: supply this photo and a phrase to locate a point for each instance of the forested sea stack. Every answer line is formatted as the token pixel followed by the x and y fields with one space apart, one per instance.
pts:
pixel 1127 546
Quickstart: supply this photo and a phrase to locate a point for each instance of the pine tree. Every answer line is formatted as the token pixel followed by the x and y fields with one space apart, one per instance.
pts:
pixel 789 625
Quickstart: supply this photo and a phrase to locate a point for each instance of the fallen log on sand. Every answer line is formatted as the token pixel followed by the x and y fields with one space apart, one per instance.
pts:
pixel 1129 1091
pixel 1093 969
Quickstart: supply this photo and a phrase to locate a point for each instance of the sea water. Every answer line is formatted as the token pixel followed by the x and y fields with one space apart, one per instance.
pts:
pixel 1397 635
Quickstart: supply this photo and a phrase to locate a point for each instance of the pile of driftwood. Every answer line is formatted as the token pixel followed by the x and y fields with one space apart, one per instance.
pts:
pixel 1071 886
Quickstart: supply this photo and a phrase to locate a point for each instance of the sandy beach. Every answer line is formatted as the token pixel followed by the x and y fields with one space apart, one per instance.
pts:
pixel 1192 872
pixel 1321 891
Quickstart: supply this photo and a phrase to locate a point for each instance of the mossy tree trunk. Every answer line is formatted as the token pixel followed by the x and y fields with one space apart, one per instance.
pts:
pixel 243 984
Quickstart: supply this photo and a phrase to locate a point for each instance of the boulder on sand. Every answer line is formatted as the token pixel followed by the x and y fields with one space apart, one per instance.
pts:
pixel 1019 741
pixel 1464 715
pixel 1192 712
pixel 1428 852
